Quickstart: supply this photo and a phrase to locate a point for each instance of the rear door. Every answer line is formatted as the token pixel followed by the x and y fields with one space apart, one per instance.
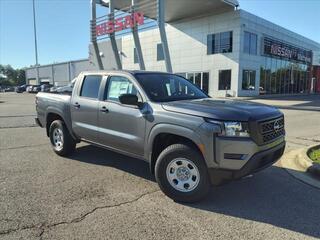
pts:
pixel 121 127
pixel 84 107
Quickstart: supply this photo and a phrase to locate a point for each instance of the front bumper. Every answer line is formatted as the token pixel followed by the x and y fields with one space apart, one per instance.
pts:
pixel 38 122
pixel 257 162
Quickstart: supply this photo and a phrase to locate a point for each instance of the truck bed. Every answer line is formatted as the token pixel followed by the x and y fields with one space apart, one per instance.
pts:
pixel 54 103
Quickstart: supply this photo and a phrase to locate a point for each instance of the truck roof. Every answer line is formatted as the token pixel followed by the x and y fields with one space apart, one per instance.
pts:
pixel 133 72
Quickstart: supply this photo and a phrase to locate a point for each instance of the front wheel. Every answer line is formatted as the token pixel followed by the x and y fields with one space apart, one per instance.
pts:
pixel 182 173
pixel 62 142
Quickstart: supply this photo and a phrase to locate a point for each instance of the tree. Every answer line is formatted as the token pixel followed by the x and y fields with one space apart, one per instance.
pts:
pixel 10 76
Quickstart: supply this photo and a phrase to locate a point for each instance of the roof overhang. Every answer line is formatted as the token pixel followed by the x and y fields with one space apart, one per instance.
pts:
pixel 176 10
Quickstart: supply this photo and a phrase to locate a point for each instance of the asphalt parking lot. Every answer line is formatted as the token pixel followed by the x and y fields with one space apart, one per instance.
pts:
pixel 100 194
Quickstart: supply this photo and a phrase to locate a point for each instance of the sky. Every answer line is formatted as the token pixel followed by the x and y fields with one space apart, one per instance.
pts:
pixel 63 26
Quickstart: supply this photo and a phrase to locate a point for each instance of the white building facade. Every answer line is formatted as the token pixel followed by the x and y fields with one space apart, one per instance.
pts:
pixel 233 53
pixel 225 55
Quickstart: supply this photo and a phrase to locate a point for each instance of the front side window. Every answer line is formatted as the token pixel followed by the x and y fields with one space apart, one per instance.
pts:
pixel 248 80
pixel 168 87
pixel 219 43
pixel 90 86
pixel 117 86
pixel 224 79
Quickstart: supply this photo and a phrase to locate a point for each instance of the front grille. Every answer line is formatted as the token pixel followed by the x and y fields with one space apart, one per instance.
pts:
pixel 272 129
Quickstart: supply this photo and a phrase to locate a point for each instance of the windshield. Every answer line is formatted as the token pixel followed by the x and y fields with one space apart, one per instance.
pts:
pixel 163 87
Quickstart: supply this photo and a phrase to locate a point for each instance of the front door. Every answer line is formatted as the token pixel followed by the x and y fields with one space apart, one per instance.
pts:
pixel 121 127
pixel 84 108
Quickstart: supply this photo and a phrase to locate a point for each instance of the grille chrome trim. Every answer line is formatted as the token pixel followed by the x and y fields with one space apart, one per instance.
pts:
pixel 271 129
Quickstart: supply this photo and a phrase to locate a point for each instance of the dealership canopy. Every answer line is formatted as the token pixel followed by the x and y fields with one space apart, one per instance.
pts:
pixel 180 9
pixel 136 15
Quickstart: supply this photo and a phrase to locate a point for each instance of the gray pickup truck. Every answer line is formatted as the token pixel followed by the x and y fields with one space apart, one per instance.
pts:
pixel 189 139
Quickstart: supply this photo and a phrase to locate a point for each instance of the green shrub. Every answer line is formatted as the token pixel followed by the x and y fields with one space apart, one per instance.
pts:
pixel 315 155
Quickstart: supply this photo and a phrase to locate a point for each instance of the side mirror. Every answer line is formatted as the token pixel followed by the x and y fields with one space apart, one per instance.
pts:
pixel 129 99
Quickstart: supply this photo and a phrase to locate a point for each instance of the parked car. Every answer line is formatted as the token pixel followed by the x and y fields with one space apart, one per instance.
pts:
pixel 9 89
pixel 189 139
pixel 46 87
pixel 22 88
pixel 29 88
pixel 66 89
pixel 36 88
pixel 262 91
pixel 53 89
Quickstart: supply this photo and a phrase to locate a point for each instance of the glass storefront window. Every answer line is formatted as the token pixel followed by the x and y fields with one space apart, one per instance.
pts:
pixel 200 79
pixel 279 76
pixel 248 80
pixel 282 77
pixel 262 80
pixel 288 77
pixel 268 76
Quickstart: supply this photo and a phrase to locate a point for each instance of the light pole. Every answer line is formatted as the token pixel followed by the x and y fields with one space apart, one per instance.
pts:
pixel 35 40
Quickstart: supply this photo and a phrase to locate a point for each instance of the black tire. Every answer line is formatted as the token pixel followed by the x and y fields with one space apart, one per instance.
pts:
pixel 68 144
pixel 186 152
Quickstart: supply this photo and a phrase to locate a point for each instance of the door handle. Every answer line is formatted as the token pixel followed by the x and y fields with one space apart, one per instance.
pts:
pixel 104 109
pixel 76 105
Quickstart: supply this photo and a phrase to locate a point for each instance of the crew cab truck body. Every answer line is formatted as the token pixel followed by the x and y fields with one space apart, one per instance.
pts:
pixel 189 139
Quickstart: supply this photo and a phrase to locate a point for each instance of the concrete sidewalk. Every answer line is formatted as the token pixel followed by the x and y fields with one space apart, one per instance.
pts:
pixel 296 162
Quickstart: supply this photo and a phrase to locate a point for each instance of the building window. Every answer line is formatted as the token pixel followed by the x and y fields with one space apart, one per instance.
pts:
pixel 219 43
pixel 181 74
pixel 160 54
pixel 224 79
pixel 190 77
pixel 205 82
pixel 250 43
pixel 200 79
pixel 135 56
pixel 248 80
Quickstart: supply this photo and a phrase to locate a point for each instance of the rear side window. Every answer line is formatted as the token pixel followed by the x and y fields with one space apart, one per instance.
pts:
pixel 90 86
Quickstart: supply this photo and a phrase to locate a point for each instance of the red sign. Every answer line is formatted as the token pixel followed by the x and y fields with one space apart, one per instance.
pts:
pixel 120 24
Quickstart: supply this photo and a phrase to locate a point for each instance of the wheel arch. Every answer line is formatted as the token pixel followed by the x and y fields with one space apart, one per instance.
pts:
pixel 164 135
pixel 55 114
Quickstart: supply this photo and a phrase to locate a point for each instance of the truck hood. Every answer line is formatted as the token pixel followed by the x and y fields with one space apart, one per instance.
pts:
pixel 220 109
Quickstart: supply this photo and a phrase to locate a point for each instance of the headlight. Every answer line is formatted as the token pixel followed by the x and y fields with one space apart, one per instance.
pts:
pixel 236 129
pixel 232 129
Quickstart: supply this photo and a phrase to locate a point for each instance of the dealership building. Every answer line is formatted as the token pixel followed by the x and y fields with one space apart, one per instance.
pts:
pixel 223 49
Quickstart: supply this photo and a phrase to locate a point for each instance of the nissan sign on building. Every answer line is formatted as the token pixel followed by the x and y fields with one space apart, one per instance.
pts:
pixel 284 50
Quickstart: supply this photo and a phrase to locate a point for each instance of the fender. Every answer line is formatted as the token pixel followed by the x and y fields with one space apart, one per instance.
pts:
pixel 66 119
pixel 170 129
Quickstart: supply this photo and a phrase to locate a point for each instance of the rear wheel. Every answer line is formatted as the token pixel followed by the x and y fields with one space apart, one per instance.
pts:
pixel 62 142
pixel 182 173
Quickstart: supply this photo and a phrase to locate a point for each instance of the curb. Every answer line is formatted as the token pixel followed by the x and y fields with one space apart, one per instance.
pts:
pixel 314 169
pixel 298 164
